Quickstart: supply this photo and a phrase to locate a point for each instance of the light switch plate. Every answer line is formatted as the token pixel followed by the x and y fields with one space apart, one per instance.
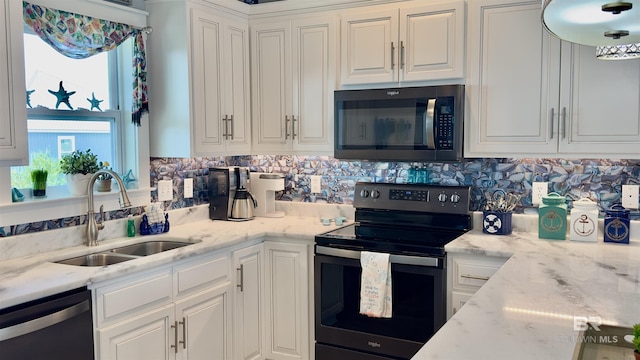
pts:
pixel 165 190
pixel 539 190
pixel 188 188
pixel 630 196
pixel 316 184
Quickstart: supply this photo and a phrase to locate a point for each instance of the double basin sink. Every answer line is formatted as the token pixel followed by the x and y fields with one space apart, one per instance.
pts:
pixel 125 253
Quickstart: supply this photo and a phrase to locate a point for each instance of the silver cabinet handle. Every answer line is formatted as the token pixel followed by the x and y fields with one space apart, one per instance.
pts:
pixel 402 55
pixel 293 127
pixel 553 115
pixel 44 322
pixel 286 127
pixel 429 125
pixel 474 277
pixel 393 54
pixel 175 337
pixel 231 127
pixel 225 134
pixel 184 333
pixel 241 285
pixel 563 114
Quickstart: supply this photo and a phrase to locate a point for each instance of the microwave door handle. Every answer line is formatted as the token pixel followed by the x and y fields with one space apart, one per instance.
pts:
pixel 429 124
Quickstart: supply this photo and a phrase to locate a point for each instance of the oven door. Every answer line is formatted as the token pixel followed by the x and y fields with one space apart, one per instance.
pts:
pixel 418 297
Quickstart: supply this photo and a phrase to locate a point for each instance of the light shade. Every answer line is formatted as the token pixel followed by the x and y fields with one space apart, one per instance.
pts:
pixel 618 52
pixel 585 22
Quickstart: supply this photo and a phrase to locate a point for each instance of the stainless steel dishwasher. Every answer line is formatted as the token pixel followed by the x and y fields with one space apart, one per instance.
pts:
pixel 53 328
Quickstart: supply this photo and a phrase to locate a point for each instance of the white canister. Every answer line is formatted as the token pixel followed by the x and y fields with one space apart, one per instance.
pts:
pixel 584 220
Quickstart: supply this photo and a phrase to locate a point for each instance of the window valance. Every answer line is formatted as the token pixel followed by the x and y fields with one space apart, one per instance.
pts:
pixel 79 36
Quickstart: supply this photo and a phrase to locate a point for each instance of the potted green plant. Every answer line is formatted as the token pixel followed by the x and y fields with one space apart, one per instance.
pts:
pixel 636 341
pixel 78 168
pixel 103 180
pixel 39 182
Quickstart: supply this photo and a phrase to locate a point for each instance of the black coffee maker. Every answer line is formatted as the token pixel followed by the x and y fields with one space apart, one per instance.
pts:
pixel 223 184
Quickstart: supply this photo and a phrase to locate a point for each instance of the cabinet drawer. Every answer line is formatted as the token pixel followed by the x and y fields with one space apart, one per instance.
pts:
pixel 132 296
pixel 471 273
pixel 210 271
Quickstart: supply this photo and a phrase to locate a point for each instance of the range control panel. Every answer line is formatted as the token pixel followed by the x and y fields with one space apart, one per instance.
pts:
pixel 412 197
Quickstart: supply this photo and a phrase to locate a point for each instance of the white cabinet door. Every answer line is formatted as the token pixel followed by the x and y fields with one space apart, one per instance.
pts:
pixel 369 46
pixel 293 82
pixel 248 311
pixel 13 115
pixel 512 81
pixel 150 336
pixel 599 104
pixel 207 81
pixel 313 50
pixel 198 68
pixel 271 87
pixel 204 325
pixel 287 302
pixel 237 89
pixel 432 41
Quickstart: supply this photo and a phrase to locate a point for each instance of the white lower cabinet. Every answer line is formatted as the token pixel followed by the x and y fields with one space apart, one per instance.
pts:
pixel 176 312
pixel 248 329
pixel 465 275
pixel 250 303
pixel 287 300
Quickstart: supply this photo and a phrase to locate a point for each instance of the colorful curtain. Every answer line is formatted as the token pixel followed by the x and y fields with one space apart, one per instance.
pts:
pixel 79 36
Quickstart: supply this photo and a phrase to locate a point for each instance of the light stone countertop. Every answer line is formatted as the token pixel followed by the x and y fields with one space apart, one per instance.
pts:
pixel 527 309
pixel 34 276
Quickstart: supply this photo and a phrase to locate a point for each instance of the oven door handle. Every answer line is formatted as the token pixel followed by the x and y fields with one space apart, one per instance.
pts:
pixel 393 258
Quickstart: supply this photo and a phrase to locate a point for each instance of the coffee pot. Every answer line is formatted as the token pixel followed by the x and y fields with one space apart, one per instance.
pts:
pixel 243 202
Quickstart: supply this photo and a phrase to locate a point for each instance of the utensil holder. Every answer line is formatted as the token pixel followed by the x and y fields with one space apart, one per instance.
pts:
pixel 496 223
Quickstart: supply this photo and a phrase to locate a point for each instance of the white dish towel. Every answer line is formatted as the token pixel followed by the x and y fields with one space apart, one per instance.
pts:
pixel 375 287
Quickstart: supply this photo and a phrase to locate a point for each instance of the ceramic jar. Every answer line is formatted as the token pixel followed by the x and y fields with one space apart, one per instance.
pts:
pixel 584 220
pixel 552 217
pixel 616 225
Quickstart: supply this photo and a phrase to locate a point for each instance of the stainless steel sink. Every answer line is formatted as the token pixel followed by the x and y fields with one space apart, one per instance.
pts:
pixel 602 342
pixel 99 259
pixel 124 253
pixel 150 247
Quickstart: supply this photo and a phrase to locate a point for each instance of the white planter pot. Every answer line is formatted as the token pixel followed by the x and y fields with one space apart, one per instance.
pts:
pixel 78 183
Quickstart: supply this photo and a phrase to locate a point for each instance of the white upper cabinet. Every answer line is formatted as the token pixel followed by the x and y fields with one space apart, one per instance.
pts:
pixel 293 79
pixel 13 114
pixel 530 94
pixel 388 44
pixel 199 81
pixel 599 104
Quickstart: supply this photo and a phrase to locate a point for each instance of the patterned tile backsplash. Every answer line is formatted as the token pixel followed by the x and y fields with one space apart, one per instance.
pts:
pixel 600 180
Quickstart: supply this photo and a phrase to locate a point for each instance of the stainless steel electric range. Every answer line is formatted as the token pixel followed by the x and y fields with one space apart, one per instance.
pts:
pixel 412 223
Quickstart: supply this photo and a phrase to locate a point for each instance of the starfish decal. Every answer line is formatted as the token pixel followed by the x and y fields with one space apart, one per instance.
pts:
pixel 29 92
pixel 62 95
pixel 95 103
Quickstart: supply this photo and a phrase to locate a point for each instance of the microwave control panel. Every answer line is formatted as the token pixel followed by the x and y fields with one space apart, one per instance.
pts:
pixel 444 123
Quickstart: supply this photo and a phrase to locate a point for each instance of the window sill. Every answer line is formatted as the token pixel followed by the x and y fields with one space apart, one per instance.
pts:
pixel 59 206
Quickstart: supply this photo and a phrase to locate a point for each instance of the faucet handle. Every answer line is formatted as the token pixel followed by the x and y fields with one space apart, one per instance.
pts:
pixel 101 223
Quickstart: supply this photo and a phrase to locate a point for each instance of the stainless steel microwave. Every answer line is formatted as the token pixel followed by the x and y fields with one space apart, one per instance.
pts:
pixel 418 124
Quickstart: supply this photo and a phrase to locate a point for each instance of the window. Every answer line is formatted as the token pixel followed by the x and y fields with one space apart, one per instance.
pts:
pixel 90 119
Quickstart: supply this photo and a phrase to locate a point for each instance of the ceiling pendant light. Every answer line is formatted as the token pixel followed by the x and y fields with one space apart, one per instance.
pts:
pixel 593 22
pixel 618 52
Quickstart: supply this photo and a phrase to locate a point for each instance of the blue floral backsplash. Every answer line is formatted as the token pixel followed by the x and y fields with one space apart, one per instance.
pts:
pixel 600 180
